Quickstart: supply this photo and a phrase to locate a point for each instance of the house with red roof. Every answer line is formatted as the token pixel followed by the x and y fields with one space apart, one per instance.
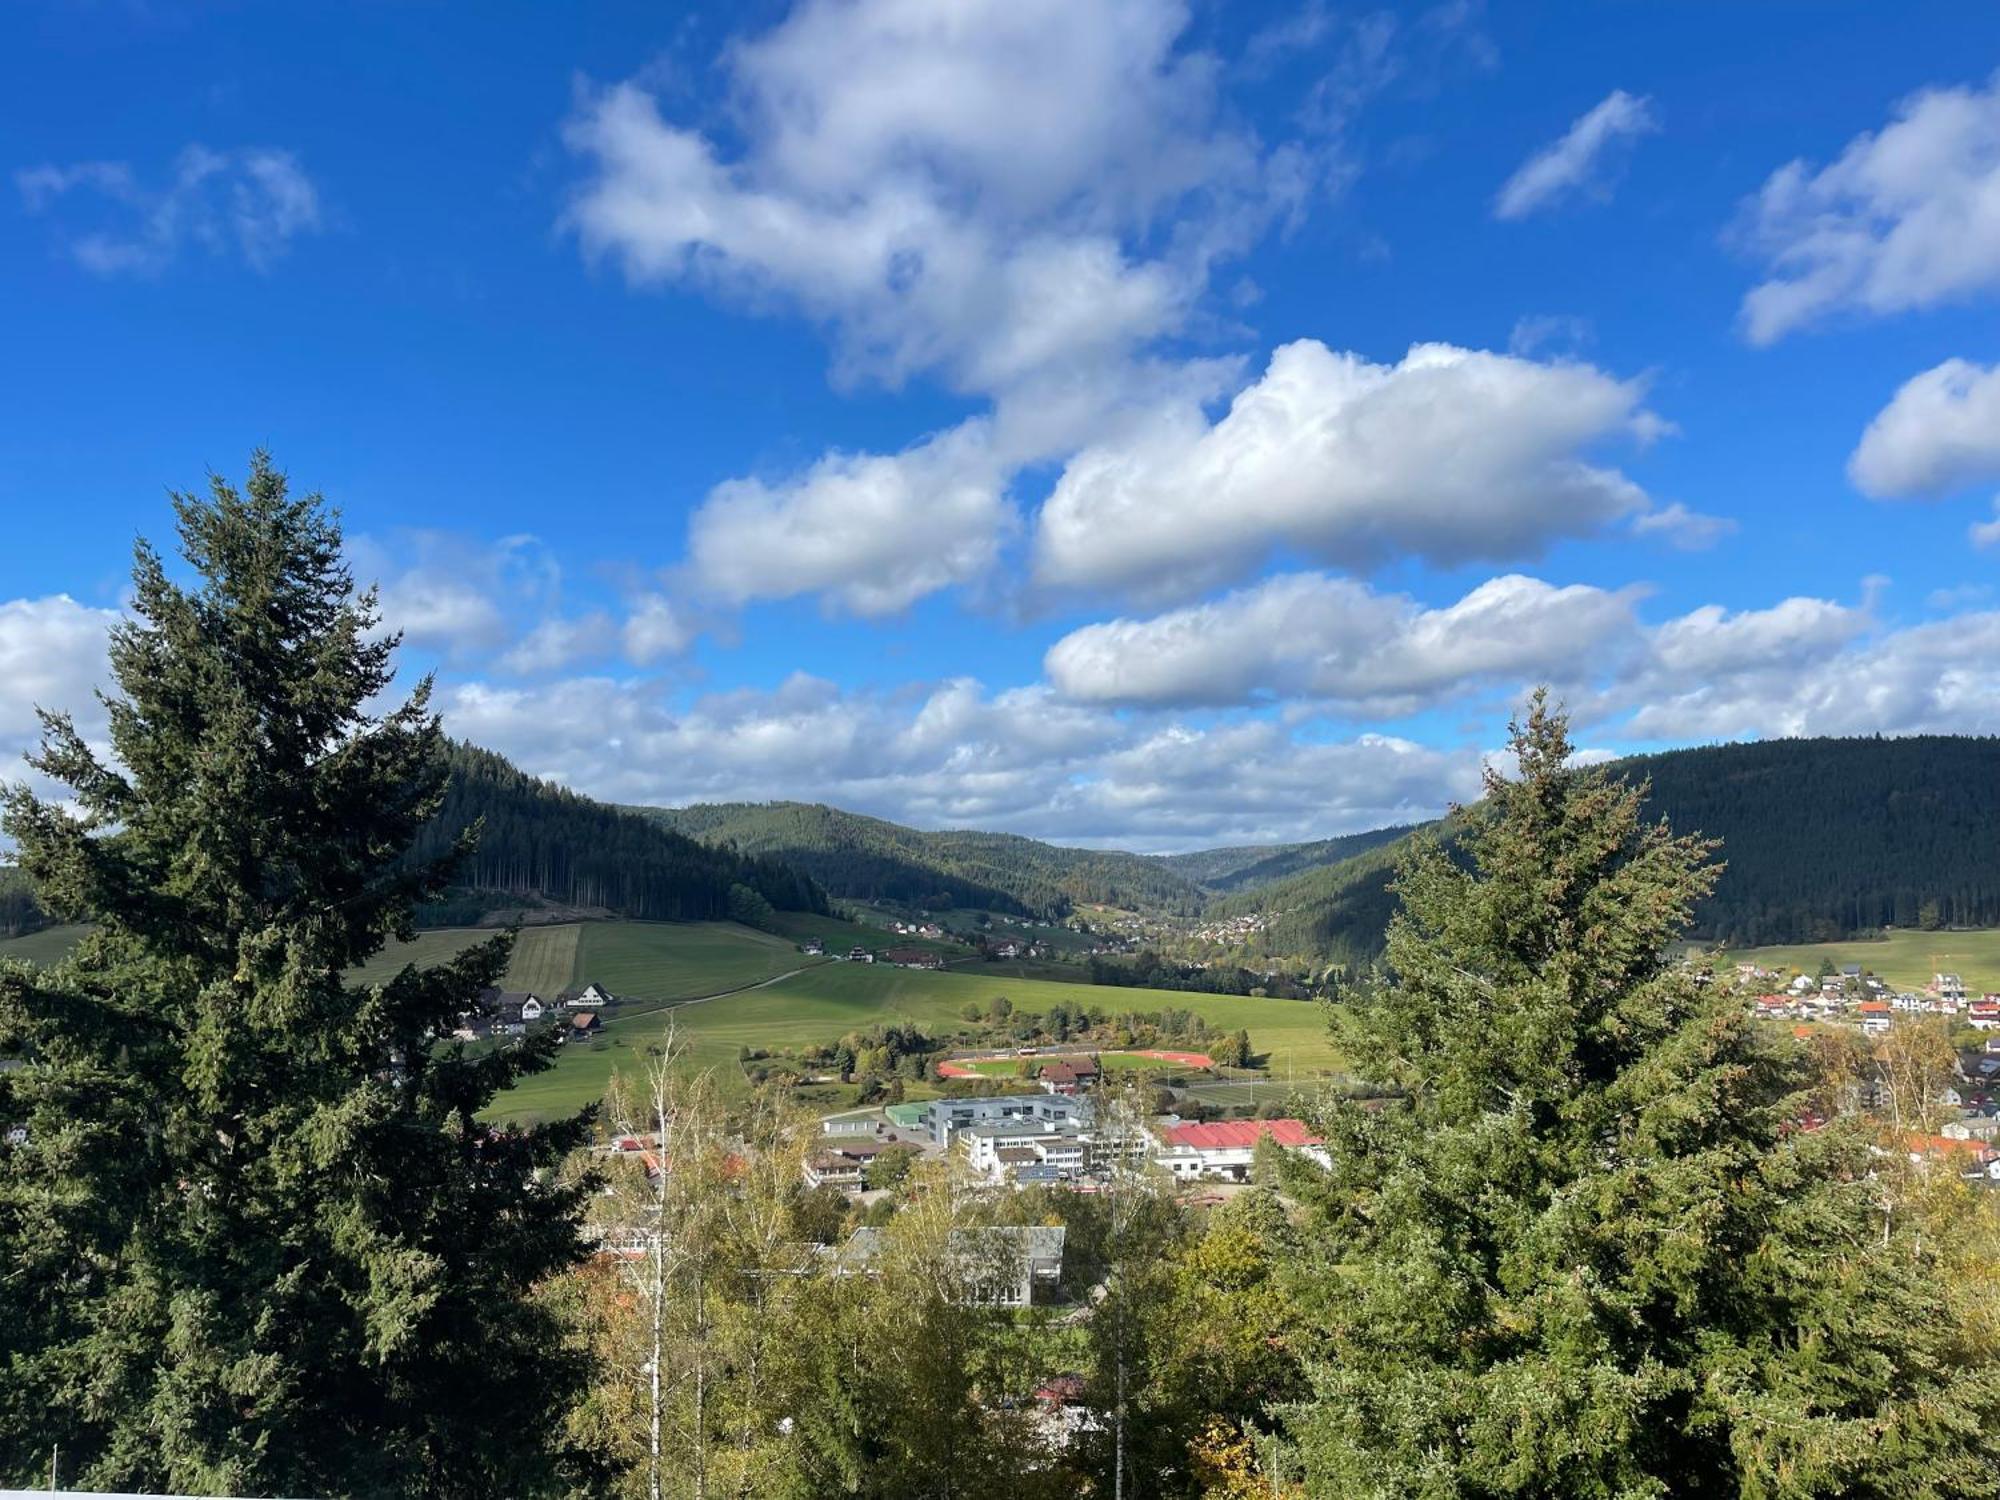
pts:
pixel 1876 1016
pixel 1969 1157
pixel 1226 1148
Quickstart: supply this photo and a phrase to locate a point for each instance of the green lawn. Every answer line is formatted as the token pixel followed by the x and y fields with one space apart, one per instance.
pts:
pixel 1906 960
pixel 50 945
pixel 824 1002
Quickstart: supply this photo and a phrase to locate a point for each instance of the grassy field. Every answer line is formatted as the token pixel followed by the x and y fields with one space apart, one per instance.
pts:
pixel 544 957
pixel 1022 1067
pixel 825 1002
pixel 50 945
pixel 652 962
pixel 1906 960
pixel 1025 968
pixel 657 962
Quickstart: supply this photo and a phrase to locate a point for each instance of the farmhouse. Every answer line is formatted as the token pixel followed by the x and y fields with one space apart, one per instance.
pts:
pixel 502 1013
pixel 592 996
pixel 1068 1075
pixel 584 1023
pixel 914 958
pixel 1226 1148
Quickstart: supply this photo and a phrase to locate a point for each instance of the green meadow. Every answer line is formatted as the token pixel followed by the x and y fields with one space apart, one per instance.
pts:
pixel 665 969
pixel 1023 1067
pixel 827 1001
pixel 1906 960
pixel 50 945
pixel 651 963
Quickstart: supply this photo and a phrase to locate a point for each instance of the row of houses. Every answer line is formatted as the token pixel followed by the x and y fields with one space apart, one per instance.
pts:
pixel 505 1013
pixel 1049 1138
pixel 1874 1006
pixel 903 957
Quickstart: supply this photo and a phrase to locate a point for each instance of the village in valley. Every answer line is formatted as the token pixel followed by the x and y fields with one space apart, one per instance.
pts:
pixel 1948 1027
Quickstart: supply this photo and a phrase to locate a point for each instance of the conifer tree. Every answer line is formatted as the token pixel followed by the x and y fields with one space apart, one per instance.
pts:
pixel 1590 1255
pixel 255 1238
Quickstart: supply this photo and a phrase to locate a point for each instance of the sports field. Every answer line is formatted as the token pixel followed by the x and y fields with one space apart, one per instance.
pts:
pixel 822 1003
pixel 1906 960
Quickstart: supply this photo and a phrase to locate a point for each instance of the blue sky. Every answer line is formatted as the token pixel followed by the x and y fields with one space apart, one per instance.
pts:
pixel 1133 422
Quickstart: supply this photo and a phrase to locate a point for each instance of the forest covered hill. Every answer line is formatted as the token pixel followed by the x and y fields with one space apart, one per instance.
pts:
pixel 1821 838
pixel 1246 866
pixel 869 859
pixel 541 841
pixel 541 844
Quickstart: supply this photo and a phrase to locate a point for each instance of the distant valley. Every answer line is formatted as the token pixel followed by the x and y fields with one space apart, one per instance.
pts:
pixel 1823 839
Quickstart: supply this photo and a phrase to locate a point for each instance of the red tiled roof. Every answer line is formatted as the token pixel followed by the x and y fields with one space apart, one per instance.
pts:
pixel 1226 1135
pixel 1944 1145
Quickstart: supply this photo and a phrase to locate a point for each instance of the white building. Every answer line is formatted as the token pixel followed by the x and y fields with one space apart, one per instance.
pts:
pixel 946 1117
pixel 1226 1149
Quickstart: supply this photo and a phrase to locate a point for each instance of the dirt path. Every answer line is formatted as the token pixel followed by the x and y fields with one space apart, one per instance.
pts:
pixel 741 989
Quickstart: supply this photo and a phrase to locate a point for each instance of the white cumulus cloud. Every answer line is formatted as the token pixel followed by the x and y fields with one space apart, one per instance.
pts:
pixel 1907 217
pixel 1017 197
pixel 872 533
pixel 655 630
pixel 561 641
pixel 1986 533
pixel 1333 639
pixel 1450 455
pixel 1579 159
pixel 1939 433
pixel 960 188
pixel 52 658
pixel 1808 667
